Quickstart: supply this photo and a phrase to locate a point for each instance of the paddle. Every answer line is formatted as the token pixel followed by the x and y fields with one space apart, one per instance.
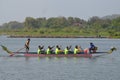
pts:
pixel 20 49
pixel 16 51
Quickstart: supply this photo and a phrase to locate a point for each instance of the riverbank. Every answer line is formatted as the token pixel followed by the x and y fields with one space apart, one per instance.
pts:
pixel 30 34
pixel 15 36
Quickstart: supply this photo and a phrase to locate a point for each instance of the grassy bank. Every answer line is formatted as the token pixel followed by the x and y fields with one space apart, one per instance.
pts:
pixel 45 32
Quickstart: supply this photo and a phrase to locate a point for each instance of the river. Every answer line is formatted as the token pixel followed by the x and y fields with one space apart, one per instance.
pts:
pixel 104 67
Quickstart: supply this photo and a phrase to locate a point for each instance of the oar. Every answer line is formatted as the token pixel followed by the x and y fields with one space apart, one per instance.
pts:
pixel 13 53
pixel 20 49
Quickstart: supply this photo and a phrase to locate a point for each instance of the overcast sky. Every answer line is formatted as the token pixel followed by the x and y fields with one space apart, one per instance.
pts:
pixel 18 10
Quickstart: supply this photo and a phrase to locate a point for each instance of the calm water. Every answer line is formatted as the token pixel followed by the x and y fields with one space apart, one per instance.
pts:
pixel 104 67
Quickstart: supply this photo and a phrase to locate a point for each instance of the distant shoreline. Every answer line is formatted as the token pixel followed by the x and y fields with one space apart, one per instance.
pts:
pixel 11 36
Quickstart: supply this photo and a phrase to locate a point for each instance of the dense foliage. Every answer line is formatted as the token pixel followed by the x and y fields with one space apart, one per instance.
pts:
pixel 62 26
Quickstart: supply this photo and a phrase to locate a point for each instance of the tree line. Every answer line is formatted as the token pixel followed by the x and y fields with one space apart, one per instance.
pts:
pixel 94 25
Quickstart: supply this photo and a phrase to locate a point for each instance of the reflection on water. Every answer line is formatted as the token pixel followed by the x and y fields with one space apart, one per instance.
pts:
pixel 54 58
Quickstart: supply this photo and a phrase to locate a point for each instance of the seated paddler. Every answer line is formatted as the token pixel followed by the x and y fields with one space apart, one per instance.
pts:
pixel 40 50
pixel 78 50
pixel 58 50
pixel 67 50
pixel 92 48
pixel 50 50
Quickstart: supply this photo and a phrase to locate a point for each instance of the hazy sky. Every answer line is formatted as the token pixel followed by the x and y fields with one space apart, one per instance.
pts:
pixel 18 10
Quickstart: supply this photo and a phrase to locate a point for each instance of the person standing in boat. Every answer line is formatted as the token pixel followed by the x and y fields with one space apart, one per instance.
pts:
pixel 27 45
pixel 92 48
pixel 40 49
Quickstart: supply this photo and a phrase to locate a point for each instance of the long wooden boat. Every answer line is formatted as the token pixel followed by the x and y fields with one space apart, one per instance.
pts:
pixel 34 54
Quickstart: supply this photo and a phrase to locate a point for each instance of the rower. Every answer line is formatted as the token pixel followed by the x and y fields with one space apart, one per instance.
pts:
pixel 40 49
pixel 92 48
pixel 27 45
pixel 67 50
pixel 49 50
pixel 81 51
pixel 58 50
pixel 78 50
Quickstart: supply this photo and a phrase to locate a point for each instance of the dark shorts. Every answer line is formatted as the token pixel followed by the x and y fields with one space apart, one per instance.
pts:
pixel 27 47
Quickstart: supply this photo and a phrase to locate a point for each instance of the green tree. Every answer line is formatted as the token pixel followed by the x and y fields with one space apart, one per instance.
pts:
pixel 70 20
pixel 116 24
pixel 12 25
pixel 30 23
pixel 41 22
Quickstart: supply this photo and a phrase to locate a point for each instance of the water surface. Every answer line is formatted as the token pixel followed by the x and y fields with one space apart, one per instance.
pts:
pixel 104 67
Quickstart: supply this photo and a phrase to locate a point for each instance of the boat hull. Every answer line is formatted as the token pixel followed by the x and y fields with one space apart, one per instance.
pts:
pixel 58 55
pixel 34 54
pixel 51 55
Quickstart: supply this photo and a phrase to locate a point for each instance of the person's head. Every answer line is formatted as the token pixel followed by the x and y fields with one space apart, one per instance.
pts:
pixel 57 46
pixel 91 43
pixel 49 47
pixel 76 46
pixel 28 39
pixel 67 47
